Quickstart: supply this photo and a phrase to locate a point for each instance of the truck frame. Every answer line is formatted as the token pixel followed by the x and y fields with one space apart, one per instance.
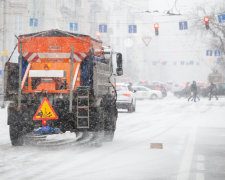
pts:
pixel 77 76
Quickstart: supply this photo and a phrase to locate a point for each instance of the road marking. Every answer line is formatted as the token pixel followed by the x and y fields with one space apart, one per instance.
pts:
pixel 200 166
pixel 200 176
pixel 188 155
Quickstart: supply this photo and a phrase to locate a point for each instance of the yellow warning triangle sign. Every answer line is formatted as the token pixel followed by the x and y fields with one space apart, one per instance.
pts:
pixel 45 111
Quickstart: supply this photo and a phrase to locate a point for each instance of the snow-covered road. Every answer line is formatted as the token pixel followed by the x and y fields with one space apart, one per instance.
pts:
pixel 192 135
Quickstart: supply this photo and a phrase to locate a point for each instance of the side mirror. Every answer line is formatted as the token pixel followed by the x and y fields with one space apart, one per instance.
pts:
pixel 119 61
pixel 119 71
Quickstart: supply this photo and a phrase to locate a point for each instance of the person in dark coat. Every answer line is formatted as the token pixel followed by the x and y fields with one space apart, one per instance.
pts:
pixel 194 91
pixel 212 91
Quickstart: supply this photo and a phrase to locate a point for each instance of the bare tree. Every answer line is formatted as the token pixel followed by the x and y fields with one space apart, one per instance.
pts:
pixel 215 33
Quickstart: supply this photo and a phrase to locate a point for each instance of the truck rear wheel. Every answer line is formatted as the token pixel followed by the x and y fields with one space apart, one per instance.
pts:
pixel 110 123
pixel 16 135
pixel 109 135
pixel 16 129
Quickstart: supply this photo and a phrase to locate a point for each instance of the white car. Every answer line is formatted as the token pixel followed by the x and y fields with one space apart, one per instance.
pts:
pixel 125 98
pixel 142 92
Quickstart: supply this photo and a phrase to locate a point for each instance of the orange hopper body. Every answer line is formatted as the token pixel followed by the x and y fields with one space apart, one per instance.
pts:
pixel 51 51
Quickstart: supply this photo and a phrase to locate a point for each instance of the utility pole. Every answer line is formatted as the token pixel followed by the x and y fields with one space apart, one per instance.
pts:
pixel 4 52
pixel 4 26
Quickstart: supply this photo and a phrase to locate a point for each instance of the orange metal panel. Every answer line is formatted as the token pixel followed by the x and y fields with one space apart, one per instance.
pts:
pixel 49 91
pixel 48 46
pixel 55 44
pixel 60 44
pixel 50 87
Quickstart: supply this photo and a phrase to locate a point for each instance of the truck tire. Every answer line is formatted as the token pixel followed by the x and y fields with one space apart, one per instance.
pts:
pixel 110 124
pixel 16 129
pixel 96 133
pixel 16 134
pixel 109 135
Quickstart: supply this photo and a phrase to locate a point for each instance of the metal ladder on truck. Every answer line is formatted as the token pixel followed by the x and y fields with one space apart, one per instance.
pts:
pixel 83 108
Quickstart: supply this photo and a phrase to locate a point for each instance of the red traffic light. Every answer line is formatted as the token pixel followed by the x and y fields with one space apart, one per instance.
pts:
pixel 44 122
pixel 156 26
pixel 206 19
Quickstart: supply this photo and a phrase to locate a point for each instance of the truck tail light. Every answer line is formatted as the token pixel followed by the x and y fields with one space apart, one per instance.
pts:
pixel 44 122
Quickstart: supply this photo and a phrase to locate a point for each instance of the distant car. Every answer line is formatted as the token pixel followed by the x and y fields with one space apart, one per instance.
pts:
pixel 177 87
pixel 125 98
pixel 202 90
pixel 158 88
pixel 185 92
pixel 220 90
pixel 142 92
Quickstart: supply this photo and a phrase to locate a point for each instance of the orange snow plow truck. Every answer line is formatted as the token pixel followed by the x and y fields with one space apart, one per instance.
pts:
pixel 62 82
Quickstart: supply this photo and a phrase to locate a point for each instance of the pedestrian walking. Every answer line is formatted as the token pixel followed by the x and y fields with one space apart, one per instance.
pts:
pixel 212 91
pixel 194 91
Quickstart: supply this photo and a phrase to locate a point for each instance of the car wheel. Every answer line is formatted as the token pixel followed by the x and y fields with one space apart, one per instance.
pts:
pixel 134 108
pixel 154 96
pixel 130 108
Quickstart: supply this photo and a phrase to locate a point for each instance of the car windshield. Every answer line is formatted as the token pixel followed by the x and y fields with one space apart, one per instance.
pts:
pixel 121 88
pixel 140 88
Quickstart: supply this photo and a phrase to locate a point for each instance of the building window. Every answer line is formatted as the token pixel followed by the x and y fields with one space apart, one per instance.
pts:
pixel 132 29
pixel 18 21
pixel 154 63
pixel 209 52
pixel 182 63
pixel 218 61
pixel 102 28
pixel 183 25
pixel 164 63
pixel 33 22
pixel 217 52
pixel 78 3
pixel 73 27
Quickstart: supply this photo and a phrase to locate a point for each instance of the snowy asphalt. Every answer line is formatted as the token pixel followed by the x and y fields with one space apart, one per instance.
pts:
pixel 192 137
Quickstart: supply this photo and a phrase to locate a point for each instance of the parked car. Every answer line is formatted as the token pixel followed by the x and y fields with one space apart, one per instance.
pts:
pixel 202 90
pixel 125 98
pixel 142 92
pixel 177 87
pixel 158 87
pixel 185 92
pixel 220 90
